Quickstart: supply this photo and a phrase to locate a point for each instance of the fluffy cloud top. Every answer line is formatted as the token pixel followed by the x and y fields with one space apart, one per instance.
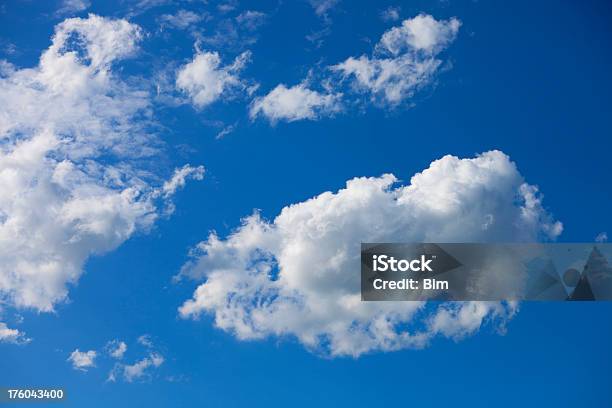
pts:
pixel 405 59
pixel 82 360
pixel 298 274
pixel 73 143
pixel 295 103
pixel 204 80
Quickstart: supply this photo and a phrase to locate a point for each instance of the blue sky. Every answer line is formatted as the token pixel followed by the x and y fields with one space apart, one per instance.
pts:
pixel 528 79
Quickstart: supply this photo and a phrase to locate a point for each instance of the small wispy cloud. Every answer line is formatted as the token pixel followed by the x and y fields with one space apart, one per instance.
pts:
pixel 139 370
pixel 182 19
pixel 390 13
pixel 82 360
pixel 73 6
pixel 116 349
pixel 225 131
pixel 145 340
pixel 251 19
pixel 323 7
pixel 14 336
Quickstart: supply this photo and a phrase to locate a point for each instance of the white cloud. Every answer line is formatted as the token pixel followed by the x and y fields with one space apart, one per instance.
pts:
pixel 82 360
pixel 204 80
pixel 140 370
pixel 226 130
pixel 73 143
pixel 457 320
pixel 423 33
pixel 251 19
pixel 116 349
pixel 227 6
pixel 390 13
pixel 74 6
pixel 317 37
pixel 179 178
pixel 182 19
pixel 295 103
pixel 142 6
pixel 405 59
pixel 298 275
pixel 322 7
pixel 8 48
pixel 14 336
pixel 601 237
pixel 101 41
pixel 145 340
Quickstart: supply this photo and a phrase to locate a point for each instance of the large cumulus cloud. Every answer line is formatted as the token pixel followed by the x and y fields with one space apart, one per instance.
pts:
pixel 298 274
pixel 74 140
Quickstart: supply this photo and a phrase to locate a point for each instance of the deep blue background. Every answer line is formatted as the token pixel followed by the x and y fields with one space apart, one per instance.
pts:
pixel 529 78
